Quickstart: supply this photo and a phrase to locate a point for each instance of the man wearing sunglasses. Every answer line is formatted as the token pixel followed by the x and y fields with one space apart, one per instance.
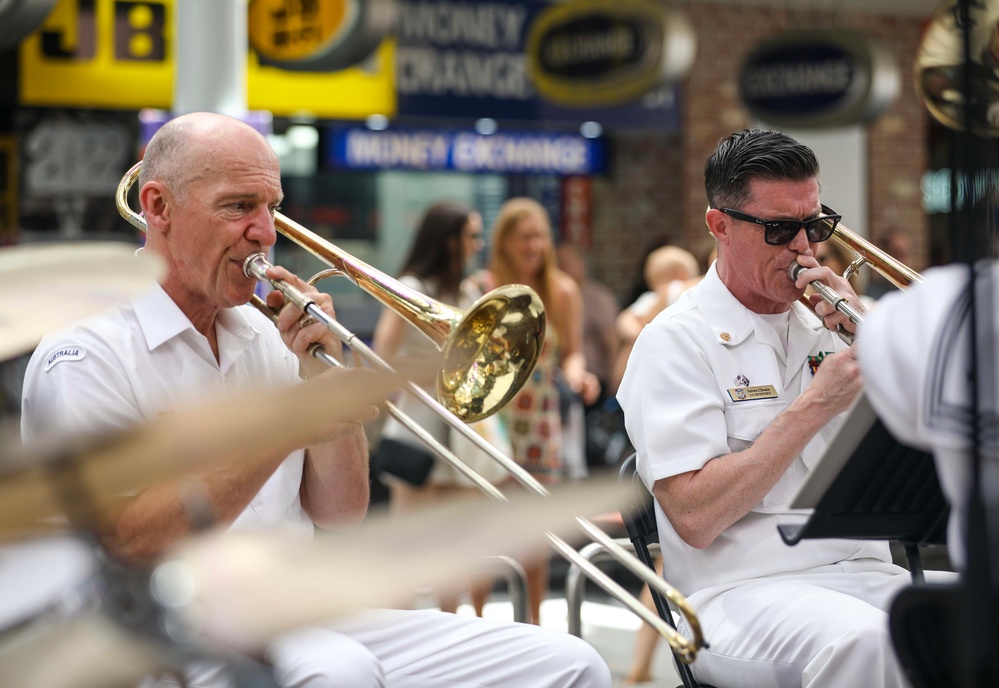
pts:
pixel 730 397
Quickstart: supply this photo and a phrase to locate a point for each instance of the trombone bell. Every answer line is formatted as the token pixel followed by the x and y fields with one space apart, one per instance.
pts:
pixel 488 353
pixel 491 352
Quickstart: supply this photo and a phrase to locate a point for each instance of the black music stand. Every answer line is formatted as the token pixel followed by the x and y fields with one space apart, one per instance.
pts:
pixel 868 486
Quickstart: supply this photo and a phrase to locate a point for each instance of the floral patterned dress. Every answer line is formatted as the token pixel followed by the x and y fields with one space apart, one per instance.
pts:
pixel 533 420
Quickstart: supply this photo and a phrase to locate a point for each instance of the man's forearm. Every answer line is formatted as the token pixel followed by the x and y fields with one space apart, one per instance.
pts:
pixel 144 526
pixel 335 480
pixel 702 504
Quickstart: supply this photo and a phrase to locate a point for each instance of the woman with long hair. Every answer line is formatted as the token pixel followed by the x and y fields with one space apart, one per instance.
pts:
pixel 523 252
pixel 447 238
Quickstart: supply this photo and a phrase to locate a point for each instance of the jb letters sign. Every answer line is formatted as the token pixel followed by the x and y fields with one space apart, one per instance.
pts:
pixel 118 54
pixel 817 78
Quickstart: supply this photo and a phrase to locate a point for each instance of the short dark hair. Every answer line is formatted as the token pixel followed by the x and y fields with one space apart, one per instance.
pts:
pixel 754 154
pixel 436 251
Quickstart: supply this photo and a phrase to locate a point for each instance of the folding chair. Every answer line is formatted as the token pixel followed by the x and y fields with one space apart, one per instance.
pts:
pixel 640 521
pixel 639 518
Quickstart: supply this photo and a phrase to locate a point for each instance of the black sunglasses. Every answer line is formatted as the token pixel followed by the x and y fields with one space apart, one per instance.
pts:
pixel 780 232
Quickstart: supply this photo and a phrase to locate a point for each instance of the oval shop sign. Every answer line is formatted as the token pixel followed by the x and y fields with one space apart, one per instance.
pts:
pixel 606 52
pixel 812 78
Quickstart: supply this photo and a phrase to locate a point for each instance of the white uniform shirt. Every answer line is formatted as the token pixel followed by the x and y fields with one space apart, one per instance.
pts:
pixel 914 354
pixel 145 358
pixel 680 414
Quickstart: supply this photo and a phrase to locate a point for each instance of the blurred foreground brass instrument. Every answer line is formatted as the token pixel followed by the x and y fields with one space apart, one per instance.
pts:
pixel 487 354
pixel 958 94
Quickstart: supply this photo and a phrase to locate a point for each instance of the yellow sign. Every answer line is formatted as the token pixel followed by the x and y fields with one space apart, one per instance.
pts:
pixel 118 54
pixel 290 30
pixel 8 190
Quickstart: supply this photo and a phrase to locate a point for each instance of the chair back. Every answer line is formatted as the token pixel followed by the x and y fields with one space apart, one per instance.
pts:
pixel 639 513
pixel 639 516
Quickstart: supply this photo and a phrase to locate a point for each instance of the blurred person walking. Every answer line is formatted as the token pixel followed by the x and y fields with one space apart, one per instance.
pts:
pixel 602 417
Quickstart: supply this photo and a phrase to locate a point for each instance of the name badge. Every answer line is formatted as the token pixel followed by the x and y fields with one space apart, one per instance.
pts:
pixel 751 393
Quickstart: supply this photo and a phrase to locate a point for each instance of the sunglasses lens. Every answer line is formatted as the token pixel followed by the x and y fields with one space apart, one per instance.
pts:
pixel 821 228
pixel 781 232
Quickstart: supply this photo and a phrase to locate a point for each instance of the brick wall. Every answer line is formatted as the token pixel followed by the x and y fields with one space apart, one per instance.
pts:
pixel 657 185
pixel 897 141
pixel 635 207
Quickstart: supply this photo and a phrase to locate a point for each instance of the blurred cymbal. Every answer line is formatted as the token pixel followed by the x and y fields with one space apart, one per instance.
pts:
pixel 242 590
pixel 86 652
pixel 222 430
pixel 47 286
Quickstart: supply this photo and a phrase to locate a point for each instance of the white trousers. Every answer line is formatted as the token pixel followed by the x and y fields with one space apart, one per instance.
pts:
pixel 425 649
pixel 822 628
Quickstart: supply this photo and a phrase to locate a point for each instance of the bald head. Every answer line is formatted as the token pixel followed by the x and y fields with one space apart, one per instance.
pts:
pixel 189 148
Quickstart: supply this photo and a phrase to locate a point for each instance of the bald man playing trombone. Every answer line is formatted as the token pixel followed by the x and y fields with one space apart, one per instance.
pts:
pixel 730 397
pixel 208 189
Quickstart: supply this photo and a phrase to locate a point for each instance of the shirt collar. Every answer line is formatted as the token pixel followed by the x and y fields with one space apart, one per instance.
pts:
pixel 731 321
pixel 161 319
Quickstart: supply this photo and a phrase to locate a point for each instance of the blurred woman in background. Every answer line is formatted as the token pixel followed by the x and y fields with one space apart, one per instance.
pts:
pixel 523 252
pixel 448 237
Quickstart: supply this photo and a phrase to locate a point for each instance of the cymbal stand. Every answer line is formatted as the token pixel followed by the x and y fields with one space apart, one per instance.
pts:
pixel 128 597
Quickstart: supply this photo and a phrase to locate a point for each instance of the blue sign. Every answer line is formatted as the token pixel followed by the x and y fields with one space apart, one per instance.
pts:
pixel 467 59
pixel 357 148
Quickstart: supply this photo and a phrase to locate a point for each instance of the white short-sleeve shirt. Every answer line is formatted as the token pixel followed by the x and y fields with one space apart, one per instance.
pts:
pixel 680 414
pixel 144 359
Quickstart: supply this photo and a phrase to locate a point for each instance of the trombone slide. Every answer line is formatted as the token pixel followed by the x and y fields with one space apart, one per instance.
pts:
pixel 257 265
pixel 319 353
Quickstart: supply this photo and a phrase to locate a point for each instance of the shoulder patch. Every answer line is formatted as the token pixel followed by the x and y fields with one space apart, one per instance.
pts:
pixel 73 352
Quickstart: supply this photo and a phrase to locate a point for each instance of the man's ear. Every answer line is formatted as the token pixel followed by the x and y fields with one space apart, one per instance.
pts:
pixel 156 206
pixel 719 224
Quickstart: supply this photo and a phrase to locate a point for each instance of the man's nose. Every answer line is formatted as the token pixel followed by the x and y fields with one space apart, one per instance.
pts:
pixel 261 229
pixel 800 241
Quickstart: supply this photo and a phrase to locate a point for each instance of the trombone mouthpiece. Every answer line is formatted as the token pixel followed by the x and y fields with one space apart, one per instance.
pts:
pixel 255 265
pixel 794 269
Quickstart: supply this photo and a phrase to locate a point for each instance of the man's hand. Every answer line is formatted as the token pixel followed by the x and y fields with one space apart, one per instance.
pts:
pixel 299 331
pixel 832 319
pixel 837 382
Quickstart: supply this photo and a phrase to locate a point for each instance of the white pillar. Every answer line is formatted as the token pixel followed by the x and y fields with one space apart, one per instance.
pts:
pixel 210 57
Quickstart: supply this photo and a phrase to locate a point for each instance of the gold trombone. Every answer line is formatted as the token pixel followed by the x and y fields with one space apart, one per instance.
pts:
pixel 896 272
pixel 488 352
